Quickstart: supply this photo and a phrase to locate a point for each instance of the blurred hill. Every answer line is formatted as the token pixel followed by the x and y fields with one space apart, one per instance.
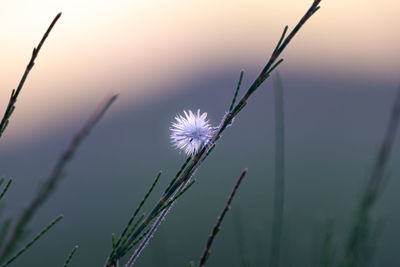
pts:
pixel 333 128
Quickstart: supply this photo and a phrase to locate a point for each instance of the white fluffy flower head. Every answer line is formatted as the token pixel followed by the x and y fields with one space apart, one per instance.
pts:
pixel 191 132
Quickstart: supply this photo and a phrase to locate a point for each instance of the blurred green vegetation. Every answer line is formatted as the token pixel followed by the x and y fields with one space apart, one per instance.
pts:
pixel 333 129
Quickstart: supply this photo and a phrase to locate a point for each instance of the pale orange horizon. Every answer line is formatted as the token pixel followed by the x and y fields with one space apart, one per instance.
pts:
pixel 99 47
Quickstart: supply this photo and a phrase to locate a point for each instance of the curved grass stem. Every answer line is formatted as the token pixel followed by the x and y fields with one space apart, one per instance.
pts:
pixel 221 217
pixel 71 254
pixel 14 94
pixel 33 241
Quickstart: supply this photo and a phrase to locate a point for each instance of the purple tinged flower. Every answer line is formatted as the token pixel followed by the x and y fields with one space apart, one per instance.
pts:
pixel 191 132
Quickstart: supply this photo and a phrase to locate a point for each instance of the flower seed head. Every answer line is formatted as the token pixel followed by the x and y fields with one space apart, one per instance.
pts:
pixel 191 132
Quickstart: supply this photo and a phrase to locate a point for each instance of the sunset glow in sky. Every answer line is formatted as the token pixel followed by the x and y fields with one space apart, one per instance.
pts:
pixel 137 47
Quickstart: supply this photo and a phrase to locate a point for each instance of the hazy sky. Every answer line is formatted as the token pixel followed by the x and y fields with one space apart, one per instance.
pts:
pixel 137 48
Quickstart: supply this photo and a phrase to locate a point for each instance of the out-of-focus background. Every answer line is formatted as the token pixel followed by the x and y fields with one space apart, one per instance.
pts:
pixel 340 75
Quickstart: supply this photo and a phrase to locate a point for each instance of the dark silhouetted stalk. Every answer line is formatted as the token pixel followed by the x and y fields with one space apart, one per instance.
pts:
pixel 131 220
pixel 71 254
pixel 36 238
pixel 164 211
pixel 5 188
pixel 14 94
pixel 237 91
pixel 220 218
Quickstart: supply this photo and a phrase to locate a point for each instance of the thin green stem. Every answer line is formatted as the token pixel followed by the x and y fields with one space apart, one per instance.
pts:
pixel 169 203
pixel 33 241
pixel 281 39
pixel 178 173
pixel 139 220
pixel 236 91
pixel 6 188
pixel 139 239
pixel 70 256
pixel 14 94
pixel 208 153
pixel 217 226
pixel 146 196
pixel 113 244
pixel 283 44
pixel 157 223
